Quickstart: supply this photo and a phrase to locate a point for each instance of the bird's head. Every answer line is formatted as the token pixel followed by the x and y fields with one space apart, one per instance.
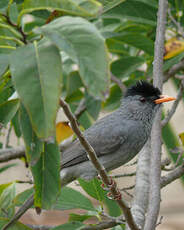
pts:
pixel 142 100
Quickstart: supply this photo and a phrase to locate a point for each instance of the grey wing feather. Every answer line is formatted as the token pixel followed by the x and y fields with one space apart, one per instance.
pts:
pixel 105 136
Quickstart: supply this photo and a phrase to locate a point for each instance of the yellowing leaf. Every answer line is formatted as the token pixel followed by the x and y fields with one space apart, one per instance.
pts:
pixel 173 47
pixel 63 131
pixel 181 135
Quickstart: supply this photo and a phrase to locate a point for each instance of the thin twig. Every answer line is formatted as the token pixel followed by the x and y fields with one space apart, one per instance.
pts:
pixel 124 175
pixel 40 227
pixel 80 109
pixel 102 225
pixel 174 106
pixel 177 24
pixel 119 83
pixel 171 176
pixel 100 169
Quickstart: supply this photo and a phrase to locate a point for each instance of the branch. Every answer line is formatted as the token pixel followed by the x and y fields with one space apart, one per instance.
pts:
pixel 175 105
pixel 173 70
pixel 141 191
pixel 119 83
pixel 171 176
pixel 80 109
pixel 40 227
pixel 155 169
pixel 100 169
pixel 103 225
pixel 11 153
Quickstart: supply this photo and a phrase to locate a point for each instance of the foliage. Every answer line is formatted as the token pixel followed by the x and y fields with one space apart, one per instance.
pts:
pixel 73 49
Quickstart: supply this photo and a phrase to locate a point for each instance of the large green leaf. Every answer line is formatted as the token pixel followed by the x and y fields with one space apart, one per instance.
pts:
pixel 82 41
pixel 46 176
pixel 85 8
pixel 71 199
pixel 16 226
pixel 134 10
pixel 7 110
pixel 124 66
pixel 36 74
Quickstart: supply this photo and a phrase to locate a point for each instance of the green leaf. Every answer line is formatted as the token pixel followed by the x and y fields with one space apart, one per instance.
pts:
pixel 112 207
pixel 40 89
pixel 4 168
pixel 136 40
pixel 16 125
pixel 69 226
pixel 73 83
pixel 71 35
pixel 113 101
pixel 86 120
pixel 93 106
pixel 85 8
pixel 6 201
pixel 4 61
pixel 23 196
pixel 93 188
pixel 124 66
pixel 134 10
pixel 3 5
pixel 16 226
pixel 34 146
pixel 110 4
pixel 116 46
pixel 71 199
pixel 3 187
pixel 46 176
pixel 8 110
pixel 13 12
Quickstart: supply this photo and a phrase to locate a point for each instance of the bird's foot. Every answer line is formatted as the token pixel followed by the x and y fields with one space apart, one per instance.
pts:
pixel 108 187
pixel 116 197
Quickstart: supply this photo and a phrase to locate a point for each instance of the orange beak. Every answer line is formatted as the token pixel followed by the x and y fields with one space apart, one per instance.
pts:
pixel 164 98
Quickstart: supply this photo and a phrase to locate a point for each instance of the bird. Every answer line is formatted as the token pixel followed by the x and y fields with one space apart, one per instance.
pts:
pixel 116 138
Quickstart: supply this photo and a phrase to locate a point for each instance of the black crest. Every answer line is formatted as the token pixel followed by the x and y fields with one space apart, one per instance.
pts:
pixel 144 89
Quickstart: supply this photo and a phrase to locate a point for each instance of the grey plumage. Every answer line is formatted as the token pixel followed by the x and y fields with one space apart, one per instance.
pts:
pixel 117 137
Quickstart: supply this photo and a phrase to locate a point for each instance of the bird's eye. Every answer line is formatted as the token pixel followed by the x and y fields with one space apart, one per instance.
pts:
pixel 142 99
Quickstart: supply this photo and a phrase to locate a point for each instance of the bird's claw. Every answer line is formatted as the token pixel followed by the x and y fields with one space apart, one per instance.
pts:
pixel 116 197
pixel 108 187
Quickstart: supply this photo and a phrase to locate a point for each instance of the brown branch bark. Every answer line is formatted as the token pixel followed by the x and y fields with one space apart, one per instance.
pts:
pixel 100 169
